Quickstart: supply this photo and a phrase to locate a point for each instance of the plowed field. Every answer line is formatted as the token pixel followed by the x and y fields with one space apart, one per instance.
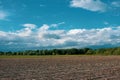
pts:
pixel 61 68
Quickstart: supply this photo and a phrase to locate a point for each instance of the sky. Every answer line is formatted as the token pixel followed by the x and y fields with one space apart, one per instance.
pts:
pixel 48 24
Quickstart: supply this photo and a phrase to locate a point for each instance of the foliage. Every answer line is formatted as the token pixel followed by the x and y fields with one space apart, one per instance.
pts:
pixel 72 51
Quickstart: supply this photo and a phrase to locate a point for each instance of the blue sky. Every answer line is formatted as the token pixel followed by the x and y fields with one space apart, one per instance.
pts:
pixel 46 24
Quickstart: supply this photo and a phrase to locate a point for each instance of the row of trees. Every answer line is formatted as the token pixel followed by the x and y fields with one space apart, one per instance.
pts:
pixel 73 51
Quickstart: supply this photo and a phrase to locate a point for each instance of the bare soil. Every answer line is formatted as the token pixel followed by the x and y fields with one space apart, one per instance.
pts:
pixel 61 68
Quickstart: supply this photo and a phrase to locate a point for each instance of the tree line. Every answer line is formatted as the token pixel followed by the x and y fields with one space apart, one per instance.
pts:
pixel 72 51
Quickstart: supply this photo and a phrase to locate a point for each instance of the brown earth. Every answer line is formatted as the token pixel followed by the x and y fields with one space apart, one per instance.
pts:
pixel 61 68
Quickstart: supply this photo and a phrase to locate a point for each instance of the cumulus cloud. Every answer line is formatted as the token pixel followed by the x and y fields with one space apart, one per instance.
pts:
pixel 27 31
pixel 3 15
pixel 91 5
pixel 31 37
pixel 44 27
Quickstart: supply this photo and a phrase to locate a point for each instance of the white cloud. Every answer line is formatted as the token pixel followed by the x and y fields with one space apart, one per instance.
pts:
pixel 42 5
pixel 56 25
pixel 44 37
pixel 91 5
pixel 27 31
pixel 2 33
pixel 106 23
pixel 44 27
pixel 116 3
pixel 31 26
pixel 3 15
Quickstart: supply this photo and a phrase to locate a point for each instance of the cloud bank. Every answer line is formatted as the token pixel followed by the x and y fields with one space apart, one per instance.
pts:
pixel 33 37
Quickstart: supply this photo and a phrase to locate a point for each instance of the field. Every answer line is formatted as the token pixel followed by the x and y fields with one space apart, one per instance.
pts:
pixel 60 68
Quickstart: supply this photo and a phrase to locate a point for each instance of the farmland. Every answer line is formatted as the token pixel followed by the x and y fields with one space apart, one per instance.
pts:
pixel 66 67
